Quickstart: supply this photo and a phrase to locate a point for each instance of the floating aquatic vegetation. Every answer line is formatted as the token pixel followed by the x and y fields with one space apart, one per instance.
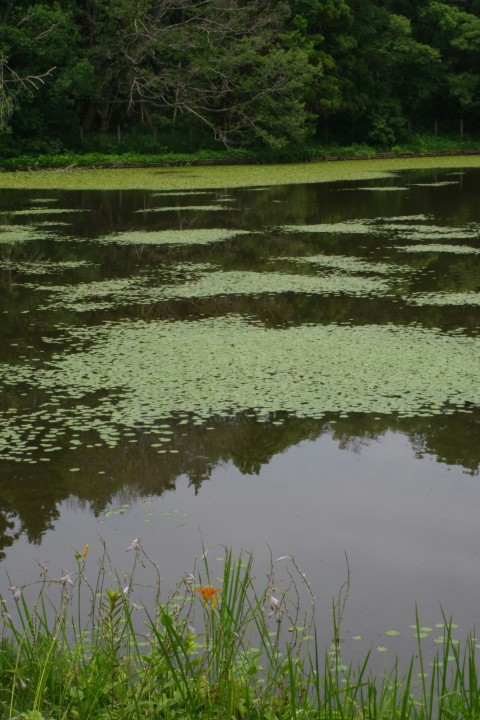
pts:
pixel 349 264
pixel 384 188
pixel 170 193
pixel 43 267
pixel 436 232
pixel 50 224
pixel 15 234
pixel 173 237
pixel 350 227
pixel 223 176
pixel 139 290
pixel 70 295
pixel 43 211
pixel 437 248
pixel 436 184
pixel 181 208
pixel 403 218
pixel 132 374
pixel 445 298
pixel 401 226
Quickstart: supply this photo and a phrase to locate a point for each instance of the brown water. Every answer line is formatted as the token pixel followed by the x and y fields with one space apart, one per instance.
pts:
pixel 313 390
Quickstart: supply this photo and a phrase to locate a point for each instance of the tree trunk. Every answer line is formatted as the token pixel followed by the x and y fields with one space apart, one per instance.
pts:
pixel 89 117
pixel 104 121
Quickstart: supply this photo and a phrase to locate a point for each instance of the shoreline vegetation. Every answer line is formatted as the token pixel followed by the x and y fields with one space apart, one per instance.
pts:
pixel 421 146
pixel 227 170
pixel 214 647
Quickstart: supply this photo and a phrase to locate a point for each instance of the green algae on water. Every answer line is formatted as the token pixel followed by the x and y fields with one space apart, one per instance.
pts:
pixel 435 232
pixel 348 264
pixel 440 183
pixel 109 381
pixel 438 248
pixel 17 234
pixel 139 290
pixel 401 227
pixel 445 298
pixel 42 211
pixel 172 237
pixel 224 176
pixel 182 208
pixel 384 188
pixel 43 267
pixel 350 227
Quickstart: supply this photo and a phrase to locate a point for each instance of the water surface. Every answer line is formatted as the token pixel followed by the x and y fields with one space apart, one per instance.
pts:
pixel 293 367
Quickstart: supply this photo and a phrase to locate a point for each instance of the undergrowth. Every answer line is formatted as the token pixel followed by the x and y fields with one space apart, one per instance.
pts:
pixel 71 648
pixel 416 143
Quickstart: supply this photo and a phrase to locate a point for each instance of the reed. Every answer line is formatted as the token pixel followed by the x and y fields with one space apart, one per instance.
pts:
pixel 71 648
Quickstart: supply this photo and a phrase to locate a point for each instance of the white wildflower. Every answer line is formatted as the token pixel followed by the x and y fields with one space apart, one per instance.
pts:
pixel 136 545
pixel 16 592
pixel 275 608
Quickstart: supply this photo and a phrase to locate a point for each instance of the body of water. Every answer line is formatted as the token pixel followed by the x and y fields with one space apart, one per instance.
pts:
pixel 289 370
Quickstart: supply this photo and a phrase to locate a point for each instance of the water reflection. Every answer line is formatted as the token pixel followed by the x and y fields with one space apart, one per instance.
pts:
pixel 31 496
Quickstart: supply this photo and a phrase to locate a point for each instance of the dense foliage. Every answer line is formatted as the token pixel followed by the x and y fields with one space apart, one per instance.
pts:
pixel 182 74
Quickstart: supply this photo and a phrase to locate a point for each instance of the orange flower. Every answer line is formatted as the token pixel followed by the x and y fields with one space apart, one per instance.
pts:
pixel 208 592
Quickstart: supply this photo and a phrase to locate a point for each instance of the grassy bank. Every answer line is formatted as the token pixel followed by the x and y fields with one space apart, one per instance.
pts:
pixel 212 648
pixel 418 145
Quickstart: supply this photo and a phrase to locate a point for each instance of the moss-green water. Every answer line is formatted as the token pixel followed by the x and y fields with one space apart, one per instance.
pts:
pixel 226 176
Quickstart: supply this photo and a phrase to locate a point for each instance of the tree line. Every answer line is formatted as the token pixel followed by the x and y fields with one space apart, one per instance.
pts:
pixel 236 72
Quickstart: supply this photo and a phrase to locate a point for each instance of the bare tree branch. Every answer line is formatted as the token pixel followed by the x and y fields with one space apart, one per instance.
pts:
pixel 12 85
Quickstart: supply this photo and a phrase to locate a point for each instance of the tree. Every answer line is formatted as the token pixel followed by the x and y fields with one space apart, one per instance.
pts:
pixel 16 80
pixel 37 52
pixel 225 64
pixel 389 78
pixel 323 28
pixel 456 35
pixel 409 77
pixel 12 86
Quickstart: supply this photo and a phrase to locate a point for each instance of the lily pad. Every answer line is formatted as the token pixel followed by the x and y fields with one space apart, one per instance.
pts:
pixel 141 290
pixel 437 248
pixel 172 237
pixel 184 208
pixel 445 298
pixel 215 365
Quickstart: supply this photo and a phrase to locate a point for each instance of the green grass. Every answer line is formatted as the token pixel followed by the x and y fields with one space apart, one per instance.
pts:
pixel 81 650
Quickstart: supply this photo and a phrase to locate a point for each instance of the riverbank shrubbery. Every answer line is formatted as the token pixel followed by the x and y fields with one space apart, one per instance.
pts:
pixel 417 144
pixel 212 648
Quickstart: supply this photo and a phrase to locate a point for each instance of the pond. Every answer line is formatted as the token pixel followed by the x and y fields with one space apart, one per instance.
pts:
pixel 288 369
